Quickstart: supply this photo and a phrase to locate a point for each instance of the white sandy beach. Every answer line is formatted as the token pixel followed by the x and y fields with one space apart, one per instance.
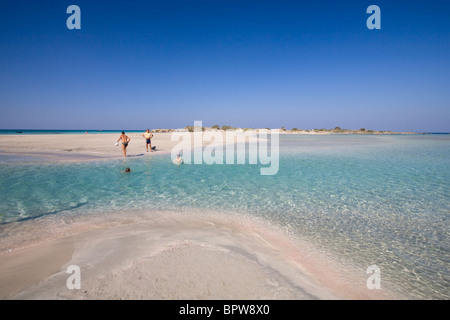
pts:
pixel 77 147
pixel 158 255
pixel 163 255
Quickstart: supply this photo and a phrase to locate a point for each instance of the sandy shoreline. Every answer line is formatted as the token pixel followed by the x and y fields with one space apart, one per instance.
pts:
pixel 168 255
pixel 157 255
pixel 79 147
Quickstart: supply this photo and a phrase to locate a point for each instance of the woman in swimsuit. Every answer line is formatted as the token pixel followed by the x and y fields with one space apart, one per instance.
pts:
pixel 125 140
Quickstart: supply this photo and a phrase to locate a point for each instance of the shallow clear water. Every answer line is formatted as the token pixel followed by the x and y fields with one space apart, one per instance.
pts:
pixel 366 199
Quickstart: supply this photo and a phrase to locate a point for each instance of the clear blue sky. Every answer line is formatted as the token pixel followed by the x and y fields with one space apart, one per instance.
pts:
pixel 164 64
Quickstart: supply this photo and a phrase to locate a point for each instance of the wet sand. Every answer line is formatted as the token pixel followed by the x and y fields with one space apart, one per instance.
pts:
pixel 168 255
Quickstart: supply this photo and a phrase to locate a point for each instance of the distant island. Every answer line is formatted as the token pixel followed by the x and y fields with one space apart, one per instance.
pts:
pixel 283 130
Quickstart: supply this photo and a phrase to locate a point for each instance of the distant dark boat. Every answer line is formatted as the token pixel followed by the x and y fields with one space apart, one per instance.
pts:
pixel 18 131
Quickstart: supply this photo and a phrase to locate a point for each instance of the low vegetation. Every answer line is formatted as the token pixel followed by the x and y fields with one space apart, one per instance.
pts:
pixel 335 130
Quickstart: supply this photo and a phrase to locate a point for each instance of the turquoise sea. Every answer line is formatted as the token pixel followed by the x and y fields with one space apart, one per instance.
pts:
pixel 366 199
pixel 40 131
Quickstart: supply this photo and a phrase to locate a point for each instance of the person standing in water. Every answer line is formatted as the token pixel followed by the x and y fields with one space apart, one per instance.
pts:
pixel 148 142
pixel 125 140
pixel 178 160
